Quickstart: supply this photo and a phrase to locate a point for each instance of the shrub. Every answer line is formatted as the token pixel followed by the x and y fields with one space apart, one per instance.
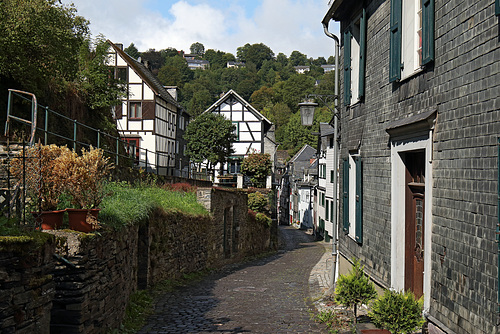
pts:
pixel 257 202
pixel 257 166
pixel 86 177
pixel 355 288
pixel 263 219
pixel 45 167
pixel 398 312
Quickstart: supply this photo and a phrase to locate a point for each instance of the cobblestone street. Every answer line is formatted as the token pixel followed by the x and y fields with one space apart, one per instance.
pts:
pixel 269 295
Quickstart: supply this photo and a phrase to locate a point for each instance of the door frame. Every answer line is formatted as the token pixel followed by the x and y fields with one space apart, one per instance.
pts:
pixel 398 191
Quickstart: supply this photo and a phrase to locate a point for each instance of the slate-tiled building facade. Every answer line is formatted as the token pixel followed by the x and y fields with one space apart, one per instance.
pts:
pixel 419 158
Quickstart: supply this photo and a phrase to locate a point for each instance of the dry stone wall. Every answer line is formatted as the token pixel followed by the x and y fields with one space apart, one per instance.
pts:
pixel 81 283
pixel 26 286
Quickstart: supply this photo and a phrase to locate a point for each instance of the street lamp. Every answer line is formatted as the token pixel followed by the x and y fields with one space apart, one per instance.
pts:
pixel 307 115
pixel 307 112
pixel 307 107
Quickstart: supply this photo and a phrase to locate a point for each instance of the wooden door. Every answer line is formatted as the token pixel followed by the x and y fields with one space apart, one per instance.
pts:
pixel 414 222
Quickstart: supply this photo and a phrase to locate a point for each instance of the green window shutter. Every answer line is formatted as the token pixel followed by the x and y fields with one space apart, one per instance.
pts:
pixel 362 53
pixel 327 210
pixel 347 67
pixel 331 176
pixel 345 200
pixel 359 201
pixel 395 42
pixel 331 211
pixel 497 7
pixel 427 31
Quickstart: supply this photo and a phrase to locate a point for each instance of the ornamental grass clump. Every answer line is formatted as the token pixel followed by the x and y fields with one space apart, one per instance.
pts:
pixel 355 288
pixel 398 312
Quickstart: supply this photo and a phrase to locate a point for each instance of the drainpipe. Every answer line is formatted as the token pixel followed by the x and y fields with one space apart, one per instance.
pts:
pixel 335 158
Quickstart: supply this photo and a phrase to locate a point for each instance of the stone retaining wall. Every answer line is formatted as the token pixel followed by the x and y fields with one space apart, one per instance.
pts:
pixel 26 285
pixel 87 287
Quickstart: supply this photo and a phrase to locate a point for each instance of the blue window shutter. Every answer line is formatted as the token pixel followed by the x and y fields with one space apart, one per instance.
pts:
pixel 427 31
pixel 362 53
pixel 345 200
pixel 359 201
pixel 395 42
pixel 347 67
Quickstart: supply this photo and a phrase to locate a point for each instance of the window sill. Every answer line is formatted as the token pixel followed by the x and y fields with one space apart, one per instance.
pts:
pixel 413 74
pixel 134 119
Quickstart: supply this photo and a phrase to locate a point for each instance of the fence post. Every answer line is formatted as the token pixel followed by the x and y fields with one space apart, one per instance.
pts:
pixel 46 125
pixel 74 134
pixel 98 138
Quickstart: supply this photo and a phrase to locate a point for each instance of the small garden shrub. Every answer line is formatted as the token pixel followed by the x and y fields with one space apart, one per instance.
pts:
pixel 398 312
pixel 257 202
pixel 355 288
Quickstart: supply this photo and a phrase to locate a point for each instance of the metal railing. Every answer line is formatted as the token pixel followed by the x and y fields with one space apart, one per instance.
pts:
pixel 41 120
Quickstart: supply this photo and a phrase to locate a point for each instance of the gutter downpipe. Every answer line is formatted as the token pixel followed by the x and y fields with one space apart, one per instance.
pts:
pixel 335 161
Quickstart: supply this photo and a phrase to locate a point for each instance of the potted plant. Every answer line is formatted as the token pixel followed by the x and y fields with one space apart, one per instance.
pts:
pixel 42 168
pixel 86 178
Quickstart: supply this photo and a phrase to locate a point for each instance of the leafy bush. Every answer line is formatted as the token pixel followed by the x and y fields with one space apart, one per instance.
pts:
pixel 263 219
pixel 257 166
pixel 257 202
pixel 45 167
pixel 398 312
pixel 86 177
pixel 355 288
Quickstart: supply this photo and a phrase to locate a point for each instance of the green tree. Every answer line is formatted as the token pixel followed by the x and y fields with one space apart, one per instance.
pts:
pixel 132 51
pixel 255 53
pixel 257 166
pixel 398 312
pixel 197 49
pixel 209 138
pixel 355 288
pixel 175 72
pixel 40 40
pixel 298 59
pixel 154 60
pixel 293 90
pixel 262 99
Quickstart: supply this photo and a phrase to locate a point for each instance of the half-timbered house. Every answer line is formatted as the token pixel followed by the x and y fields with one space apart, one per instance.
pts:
pixel 255 133
pixel 148 117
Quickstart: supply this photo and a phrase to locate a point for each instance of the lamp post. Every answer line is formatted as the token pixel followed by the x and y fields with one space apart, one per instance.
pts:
pixel 307 114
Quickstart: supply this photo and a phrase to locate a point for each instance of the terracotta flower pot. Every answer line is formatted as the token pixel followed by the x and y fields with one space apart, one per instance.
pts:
pixel 49 220
pixel 78 219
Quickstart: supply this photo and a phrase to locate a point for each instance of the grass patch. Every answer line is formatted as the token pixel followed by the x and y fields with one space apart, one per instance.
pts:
pixel 139 307
pixel 128 205
pixel 336 322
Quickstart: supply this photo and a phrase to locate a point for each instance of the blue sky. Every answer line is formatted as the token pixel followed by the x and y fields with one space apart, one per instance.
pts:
pixel 283 25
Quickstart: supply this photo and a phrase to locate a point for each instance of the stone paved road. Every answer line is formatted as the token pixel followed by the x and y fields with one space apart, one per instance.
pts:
pixel 264 296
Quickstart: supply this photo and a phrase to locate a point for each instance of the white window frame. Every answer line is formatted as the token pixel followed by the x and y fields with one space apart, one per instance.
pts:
pixel 411 38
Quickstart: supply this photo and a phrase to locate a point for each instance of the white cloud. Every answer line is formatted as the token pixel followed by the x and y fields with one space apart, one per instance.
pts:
pixel 283 25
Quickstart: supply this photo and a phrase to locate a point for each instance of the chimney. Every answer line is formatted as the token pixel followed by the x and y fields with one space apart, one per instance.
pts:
pixel 119 46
